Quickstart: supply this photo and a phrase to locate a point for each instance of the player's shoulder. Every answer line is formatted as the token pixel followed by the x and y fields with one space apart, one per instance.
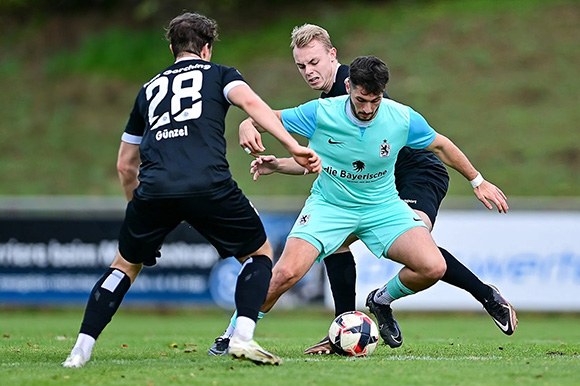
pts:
pixel 191 65
pixel 391 109
pixel 333 101
pixel 222 67
pixel 332 105
pixel 394 104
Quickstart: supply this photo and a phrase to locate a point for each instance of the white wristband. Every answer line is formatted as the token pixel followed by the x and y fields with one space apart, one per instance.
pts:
pixel 478 180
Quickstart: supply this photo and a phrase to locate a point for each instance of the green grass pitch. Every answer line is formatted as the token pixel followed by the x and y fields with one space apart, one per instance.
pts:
pixel 168 347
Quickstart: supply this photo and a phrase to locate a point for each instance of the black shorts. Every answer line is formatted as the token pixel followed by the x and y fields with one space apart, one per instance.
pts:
pixel 424 190
pixel 226 218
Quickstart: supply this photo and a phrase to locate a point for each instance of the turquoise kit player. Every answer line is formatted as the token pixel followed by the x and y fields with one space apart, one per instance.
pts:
pixel 421 181
pixel 358 137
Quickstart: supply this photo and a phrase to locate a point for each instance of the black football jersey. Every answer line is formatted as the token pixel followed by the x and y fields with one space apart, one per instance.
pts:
pixel 409 161
pixel 178 120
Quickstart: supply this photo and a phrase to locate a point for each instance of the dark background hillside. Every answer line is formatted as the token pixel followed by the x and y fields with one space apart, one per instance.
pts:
pixel 499 78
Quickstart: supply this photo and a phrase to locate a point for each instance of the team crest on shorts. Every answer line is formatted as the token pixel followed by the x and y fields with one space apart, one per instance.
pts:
pixel 304 219
pixel 385 149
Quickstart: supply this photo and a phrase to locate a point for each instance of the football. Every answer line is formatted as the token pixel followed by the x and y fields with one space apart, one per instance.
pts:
pixel 353 334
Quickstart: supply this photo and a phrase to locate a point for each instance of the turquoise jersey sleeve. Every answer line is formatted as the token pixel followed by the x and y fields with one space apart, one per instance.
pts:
pixel 302 119
pixel 421 134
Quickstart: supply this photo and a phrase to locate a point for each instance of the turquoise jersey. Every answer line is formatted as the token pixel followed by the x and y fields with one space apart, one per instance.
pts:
pixel 358 157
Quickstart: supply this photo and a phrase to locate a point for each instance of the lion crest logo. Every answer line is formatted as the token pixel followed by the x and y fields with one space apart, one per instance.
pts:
pixel 358 166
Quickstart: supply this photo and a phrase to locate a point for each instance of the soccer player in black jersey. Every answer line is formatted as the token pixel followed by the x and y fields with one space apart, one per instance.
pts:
pixel 421 180
pixel 173 168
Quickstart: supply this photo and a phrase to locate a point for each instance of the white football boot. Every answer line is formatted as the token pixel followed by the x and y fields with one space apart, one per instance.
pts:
pixel 250 350
pixel 77 358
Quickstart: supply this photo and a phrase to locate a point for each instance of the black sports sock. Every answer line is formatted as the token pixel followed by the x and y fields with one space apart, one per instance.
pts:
pixel 252 286
pixel 105 299
pixel 341 270
pixel 460 276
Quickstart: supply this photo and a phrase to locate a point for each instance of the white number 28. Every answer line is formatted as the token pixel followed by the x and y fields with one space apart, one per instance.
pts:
pixel 180 93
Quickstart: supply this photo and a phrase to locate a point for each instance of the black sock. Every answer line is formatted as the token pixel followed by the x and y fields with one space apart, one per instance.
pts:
pixel 341 270
pixel 460 276
pixel 252 286
pixel 105 299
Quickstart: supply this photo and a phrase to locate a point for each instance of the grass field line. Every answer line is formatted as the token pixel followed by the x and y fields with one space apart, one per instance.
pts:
pixel 429 358
pixel 130 361
pixel 10 364
pixel 317 359
pixel 402 358
pixel 542 341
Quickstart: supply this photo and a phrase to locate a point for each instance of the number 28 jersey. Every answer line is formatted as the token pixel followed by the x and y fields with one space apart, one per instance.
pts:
pixel 178 121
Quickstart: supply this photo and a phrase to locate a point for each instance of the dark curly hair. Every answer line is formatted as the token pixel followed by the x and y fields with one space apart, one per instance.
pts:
pixel 370 73
pixel 189 32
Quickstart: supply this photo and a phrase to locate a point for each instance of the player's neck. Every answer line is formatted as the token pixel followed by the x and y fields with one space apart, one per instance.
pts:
pixel 187 55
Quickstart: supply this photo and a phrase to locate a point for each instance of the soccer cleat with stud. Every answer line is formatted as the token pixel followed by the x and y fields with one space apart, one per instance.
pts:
pixel 251 351
pixel 77 358
pixel 321 348
pixel 219 347
pixel 388 326
pixel 502 313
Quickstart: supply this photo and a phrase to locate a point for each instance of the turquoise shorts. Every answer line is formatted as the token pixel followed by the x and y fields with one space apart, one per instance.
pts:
pixel 326 226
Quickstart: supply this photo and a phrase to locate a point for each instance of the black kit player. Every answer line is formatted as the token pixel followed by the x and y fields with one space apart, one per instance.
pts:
pixel 422 182
pixel 173 168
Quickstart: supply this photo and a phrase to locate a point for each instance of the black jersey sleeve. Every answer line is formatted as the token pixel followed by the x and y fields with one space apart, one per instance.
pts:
pixel 136 124
pixel 230 77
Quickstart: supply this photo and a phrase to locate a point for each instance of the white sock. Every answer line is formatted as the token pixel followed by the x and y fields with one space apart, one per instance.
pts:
pixel 85 343
pixel 229 331
pixel 233 319
pixel 382 296
pixel 244 328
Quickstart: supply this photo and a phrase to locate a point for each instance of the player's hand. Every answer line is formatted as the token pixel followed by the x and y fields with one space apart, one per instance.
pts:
pixel 263 165
pixel 488 192
pixel 250 138
pixel 307 158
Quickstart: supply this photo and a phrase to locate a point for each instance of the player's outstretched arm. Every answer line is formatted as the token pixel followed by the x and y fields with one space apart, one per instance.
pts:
pixel 452 156
pixel 243 97
pixel 268 164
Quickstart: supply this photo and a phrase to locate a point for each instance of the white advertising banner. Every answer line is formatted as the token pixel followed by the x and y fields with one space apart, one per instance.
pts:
pixel 533 257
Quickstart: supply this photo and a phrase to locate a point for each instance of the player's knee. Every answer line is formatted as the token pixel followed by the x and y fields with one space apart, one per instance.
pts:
pixel 284 277
pixel 129 269
pixel 435 270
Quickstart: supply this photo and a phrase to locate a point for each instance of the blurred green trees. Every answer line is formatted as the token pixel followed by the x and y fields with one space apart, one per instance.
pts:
pixel 499 78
